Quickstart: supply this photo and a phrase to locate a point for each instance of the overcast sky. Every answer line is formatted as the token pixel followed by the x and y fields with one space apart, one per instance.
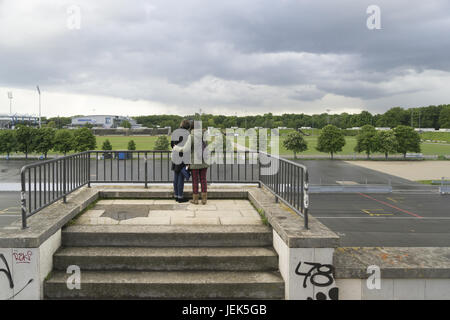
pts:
pixel 225 57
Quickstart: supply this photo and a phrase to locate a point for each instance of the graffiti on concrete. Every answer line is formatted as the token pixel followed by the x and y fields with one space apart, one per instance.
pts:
pixel 7 271
pixel 318 275
pixel 21 258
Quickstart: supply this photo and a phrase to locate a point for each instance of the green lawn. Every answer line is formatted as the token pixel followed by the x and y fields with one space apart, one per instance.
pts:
pixel 427 148
pixel 121 142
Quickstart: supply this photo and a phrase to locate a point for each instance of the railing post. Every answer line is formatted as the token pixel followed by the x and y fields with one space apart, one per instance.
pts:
pixel 306 198
pixel 89 168
pixel 64 180
pixel 23 200
pixel 277 184
pixel 146 171
pixel 259 168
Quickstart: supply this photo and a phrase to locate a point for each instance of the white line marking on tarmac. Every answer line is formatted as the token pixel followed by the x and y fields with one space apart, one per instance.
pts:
pixel 386 218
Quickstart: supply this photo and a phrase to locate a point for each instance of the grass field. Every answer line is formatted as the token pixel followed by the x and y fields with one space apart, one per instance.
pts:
pixel 121 142
pixel 148 143
pixel 427 148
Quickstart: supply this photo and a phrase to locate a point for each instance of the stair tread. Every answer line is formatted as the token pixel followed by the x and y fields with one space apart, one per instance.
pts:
pixel 184 229
pixel 172 277
pixel 165 252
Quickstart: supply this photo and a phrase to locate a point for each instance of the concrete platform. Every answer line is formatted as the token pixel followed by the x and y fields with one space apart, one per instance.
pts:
pixel 169 212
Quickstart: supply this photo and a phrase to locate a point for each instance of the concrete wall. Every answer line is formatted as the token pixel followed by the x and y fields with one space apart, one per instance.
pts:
pixel 307 272
pixel 395 289
pixel 25 269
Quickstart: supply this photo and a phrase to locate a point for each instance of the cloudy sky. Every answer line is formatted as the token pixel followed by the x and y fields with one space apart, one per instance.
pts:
pixel 225 57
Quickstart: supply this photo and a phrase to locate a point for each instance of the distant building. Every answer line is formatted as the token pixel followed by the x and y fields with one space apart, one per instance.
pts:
pixel 10 121
pixel 103 121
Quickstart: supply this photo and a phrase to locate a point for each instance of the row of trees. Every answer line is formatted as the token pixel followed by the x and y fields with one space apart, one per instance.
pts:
pixel 402 139
pixel 41 140
pixel 424 117
pixel 107 146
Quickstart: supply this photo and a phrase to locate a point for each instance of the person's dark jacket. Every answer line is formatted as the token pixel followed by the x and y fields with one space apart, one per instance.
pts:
pixel 177 167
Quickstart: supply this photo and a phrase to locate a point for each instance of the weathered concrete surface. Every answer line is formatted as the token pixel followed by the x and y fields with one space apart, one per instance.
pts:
pixel 169 212
pixel 155 192
pixel 169 285
pixel 47 222
pixel 167 235
pixel 290 226
pixel 167 258
pixel 414 263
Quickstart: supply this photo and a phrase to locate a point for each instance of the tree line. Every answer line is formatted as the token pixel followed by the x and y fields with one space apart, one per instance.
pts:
pixel 425 117
pixel 27 140
pixel 402 139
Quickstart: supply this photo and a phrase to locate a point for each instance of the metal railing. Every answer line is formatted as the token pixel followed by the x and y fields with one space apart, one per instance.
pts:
pixel 288 181
pixel 44 183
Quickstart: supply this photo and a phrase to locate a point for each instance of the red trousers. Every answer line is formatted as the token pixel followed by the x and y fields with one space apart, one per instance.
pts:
pixel 195 176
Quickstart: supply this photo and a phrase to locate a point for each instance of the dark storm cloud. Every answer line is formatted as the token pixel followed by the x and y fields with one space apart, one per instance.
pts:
pixel 164 50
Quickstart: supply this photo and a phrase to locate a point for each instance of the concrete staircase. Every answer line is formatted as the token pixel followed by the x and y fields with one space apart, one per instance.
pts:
pixel 167 262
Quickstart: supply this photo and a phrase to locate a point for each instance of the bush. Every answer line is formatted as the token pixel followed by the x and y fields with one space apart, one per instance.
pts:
pixel 107 146
pixel 162 143
pixel 131 145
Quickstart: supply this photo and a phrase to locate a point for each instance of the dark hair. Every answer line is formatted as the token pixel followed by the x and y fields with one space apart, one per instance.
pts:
pixel 185 124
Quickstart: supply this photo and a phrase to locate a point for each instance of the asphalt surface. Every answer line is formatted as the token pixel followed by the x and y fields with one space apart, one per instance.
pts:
pixel 390 220
pixel 328 172
pixel 413 215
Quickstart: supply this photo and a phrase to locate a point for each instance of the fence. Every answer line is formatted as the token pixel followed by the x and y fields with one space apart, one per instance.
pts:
pixel 44 183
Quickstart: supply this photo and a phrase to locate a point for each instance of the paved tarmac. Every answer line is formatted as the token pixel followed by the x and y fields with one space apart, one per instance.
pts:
pixel 413 215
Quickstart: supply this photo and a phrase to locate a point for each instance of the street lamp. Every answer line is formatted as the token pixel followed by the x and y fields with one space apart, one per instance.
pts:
pixel 39 91
pixel 328 115
pixel 10 97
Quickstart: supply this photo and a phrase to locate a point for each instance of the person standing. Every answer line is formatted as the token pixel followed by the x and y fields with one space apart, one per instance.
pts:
pixel 178 176
pixel 198 165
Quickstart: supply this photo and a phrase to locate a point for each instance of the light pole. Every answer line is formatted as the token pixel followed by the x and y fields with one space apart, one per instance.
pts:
pixel 419 120
pixel 10 97
pixel 39 91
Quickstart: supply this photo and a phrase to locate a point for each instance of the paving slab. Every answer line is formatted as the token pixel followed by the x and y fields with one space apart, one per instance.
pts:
pixel 240 221
pixel 147 221
pixel 194 221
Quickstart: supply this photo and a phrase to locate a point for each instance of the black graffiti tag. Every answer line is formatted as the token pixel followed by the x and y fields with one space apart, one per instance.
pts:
pixel 317 270
pixel 6 271
pixel 319 275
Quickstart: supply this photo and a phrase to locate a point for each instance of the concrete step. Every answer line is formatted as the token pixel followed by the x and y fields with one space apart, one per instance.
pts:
pixel 167 285
pixel 167 259
pixel 166 236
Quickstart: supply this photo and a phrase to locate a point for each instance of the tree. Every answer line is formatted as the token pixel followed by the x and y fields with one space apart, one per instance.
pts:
pixel 8 142
pixel 162 143
pixel 107 146
pixel 386 142
pixel 24 136
pixel 131 145
pixel 64 141
pixel 331 140
pixel 84 140
pixel 366 140
pixel 295 143
pixel 408 140
pixel 43 140
pixel 125 124
pixel 444 117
